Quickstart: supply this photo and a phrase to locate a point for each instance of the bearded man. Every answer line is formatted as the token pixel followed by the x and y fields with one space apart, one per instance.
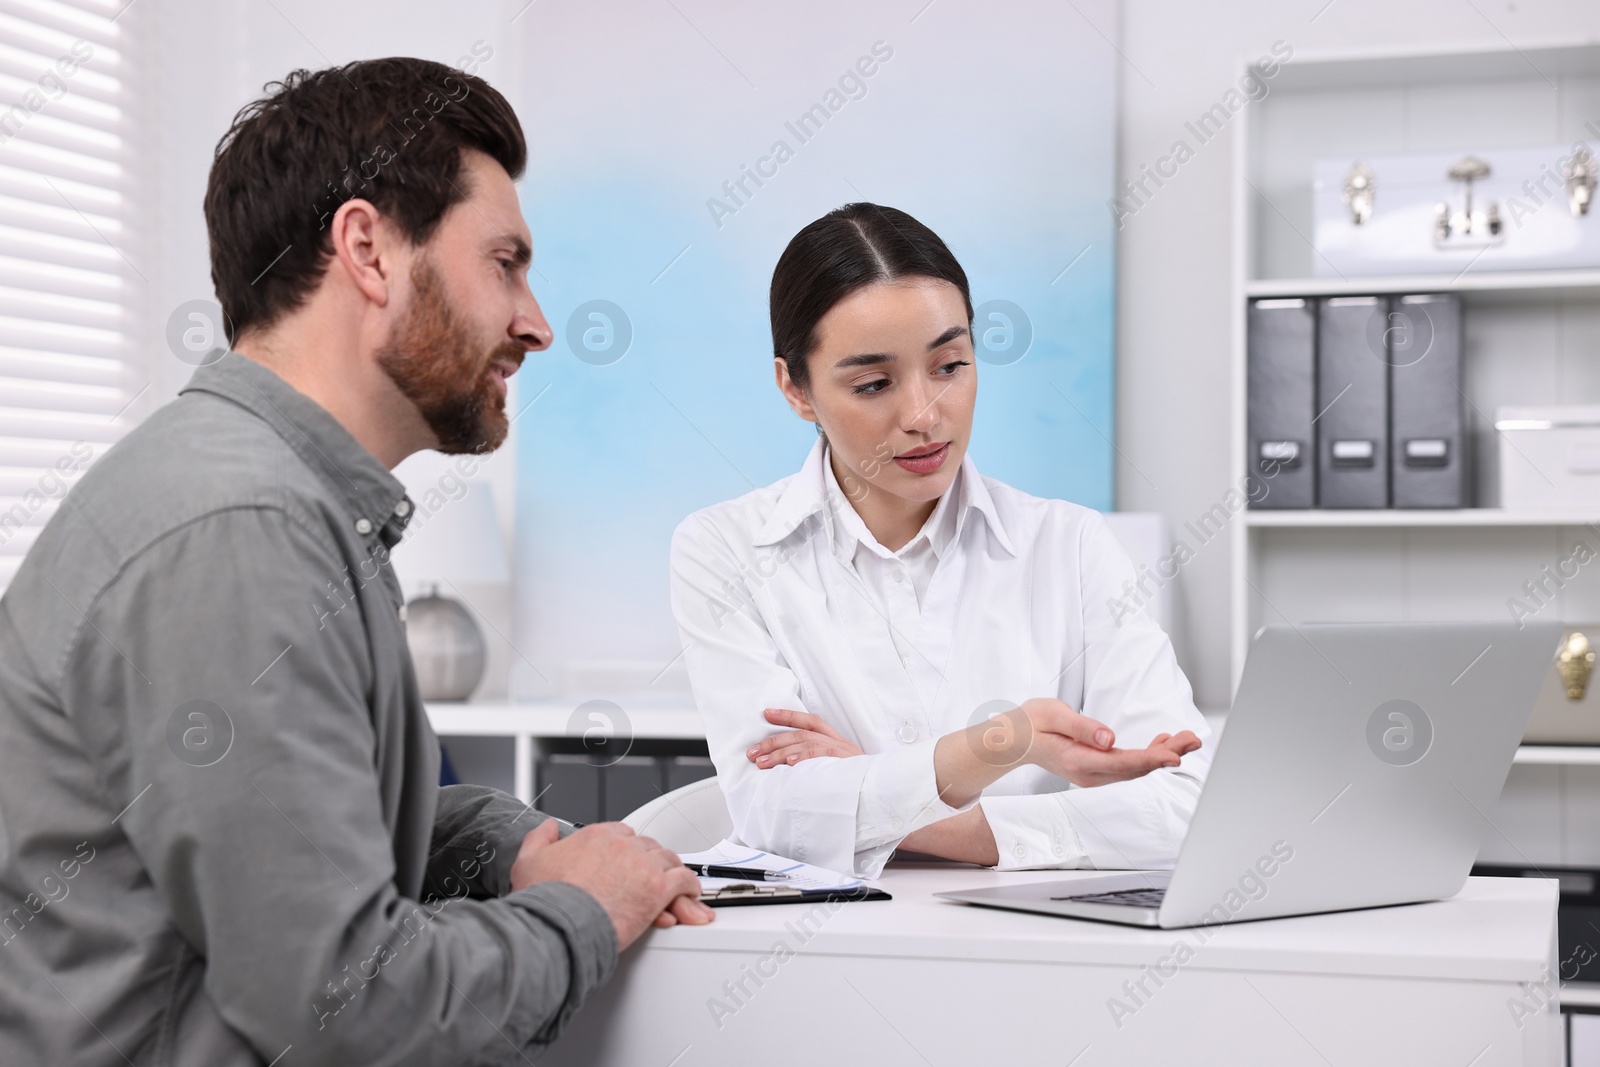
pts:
pixel 222 839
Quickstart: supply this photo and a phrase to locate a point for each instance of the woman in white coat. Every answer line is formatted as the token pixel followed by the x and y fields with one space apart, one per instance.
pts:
pixel 891 650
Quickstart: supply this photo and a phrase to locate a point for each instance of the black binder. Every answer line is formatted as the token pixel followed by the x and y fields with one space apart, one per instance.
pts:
pixel 1352 403
pixel 1429 457
pixel 1280 346
pixel 630 783
pixel 570 788
pixel 683 770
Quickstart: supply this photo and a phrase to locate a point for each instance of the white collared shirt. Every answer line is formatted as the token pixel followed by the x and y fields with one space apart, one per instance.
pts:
pixel 785 600
pixel 896 582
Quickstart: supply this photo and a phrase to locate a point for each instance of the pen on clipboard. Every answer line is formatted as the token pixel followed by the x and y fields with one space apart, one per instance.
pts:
pixel 751 874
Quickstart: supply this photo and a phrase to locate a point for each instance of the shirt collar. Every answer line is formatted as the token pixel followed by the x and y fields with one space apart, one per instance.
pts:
pixel 850 533
pixel 805 501
pixel 376 498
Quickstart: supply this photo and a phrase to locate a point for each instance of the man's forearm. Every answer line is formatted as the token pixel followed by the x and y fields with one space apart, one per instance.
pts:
pixel 476 834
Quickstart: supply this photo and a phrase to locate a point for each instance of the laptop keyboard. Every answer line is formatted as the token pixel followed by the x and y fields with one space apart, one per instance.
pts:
pixel 1131 898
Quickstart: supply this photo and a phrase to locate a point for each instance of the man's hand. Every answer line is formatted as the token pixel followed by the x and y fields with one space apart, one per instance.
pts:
pixel 809 738
pixel 1082 751
pixel 636 880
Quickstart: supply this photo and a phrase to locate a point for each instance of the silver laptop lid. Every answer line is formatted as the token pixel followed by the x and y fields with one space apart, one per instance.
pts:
pixel 1358 767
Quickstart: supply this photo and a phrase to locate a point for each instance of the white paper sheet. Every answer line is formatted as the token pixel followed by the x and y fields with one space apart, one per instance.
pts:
pixel 801 875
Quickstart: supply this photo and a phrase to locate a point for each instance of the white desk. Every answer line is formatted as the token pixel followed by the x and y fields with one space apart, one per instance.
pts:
pixel 919 981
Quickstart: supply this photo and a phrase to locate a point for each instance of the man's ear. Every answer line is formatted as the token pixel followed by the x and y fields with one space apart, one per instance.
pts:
pixel 792 392
pixel 364 247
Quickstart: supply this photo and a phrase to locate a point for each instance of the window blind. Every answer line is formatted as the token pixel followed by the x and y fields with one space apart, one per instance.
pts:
pixel 69 284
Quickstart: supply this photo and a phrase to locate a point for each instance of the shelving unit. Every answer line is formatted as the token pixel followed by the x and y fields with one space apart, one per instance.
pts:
pixel 1531 337
pixel 528 725
pixel 1466 517
pixel 1471 285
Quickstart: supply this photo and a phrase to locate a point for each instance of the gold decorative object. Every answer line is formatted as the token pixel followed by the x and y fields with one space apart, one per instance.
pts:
pixel 1575 662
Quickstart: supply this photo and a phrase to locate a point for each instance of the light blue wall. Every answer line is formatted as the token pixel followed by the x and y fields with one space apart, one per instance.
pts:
pixel 994 127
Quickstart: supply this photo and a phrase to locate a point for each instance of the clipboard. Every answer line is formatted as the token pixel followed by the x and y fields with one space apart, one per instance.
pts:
pixel 741 894
pixel 802 883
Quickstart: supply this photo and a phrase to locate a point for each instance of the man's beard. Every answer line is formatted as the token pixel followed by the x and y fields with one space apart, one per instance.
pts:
pixel 431 357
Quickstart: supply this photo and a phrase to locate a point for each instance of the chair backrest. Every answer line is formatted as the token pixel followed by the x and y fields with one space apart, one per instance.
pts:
pixel 1144 537
pixel 691 819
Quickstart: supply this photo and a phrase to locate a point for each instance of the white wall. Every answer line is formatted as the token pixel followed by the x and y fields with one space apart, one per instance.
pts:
pixel 1174 254
pixel 208 58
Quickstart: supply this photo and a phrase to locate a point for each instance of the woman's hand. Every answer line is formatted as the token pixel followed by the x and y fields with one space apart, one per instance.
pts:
pixel 810 737
pixel 1049 734
pixel 1082 751
pixel 1044 731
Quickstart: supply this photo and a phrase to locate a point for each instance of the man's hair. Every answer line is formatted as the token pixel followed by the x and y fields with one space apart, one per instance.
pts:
pixel 390 131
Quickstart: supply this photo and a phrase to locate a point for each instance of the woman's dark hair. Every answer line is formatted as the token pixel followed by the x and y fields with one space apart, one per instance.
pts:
pixel 846 249
pixel 390 131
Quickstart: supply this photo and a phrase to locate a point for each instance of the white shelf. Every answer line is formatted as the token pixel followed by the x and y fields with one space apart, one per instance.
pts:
pixel 1580 994
pixel 660 719
pixel 1505 283
pixel 1392 517
pixel 551 719
pixel 1431 65
pixel 1568 755
pixel 1544 755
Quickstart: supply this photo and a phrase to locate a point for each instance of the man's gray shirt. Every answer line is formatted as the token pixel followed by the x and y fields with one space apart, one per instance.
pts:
pixel 222 839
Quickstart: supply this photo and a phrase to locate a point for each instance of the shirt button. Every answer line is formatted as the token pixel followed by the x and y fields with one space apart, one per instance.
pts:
pixel 403 508
pixel 363 526
pixel 907 732
pixel 402 612
pixel 899 576
pixel 1018 851
pixel 897 822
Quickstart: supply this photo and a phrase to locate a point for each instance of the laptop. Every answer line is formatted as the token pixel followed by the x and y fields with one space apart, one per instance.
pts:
pixel 1359 768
